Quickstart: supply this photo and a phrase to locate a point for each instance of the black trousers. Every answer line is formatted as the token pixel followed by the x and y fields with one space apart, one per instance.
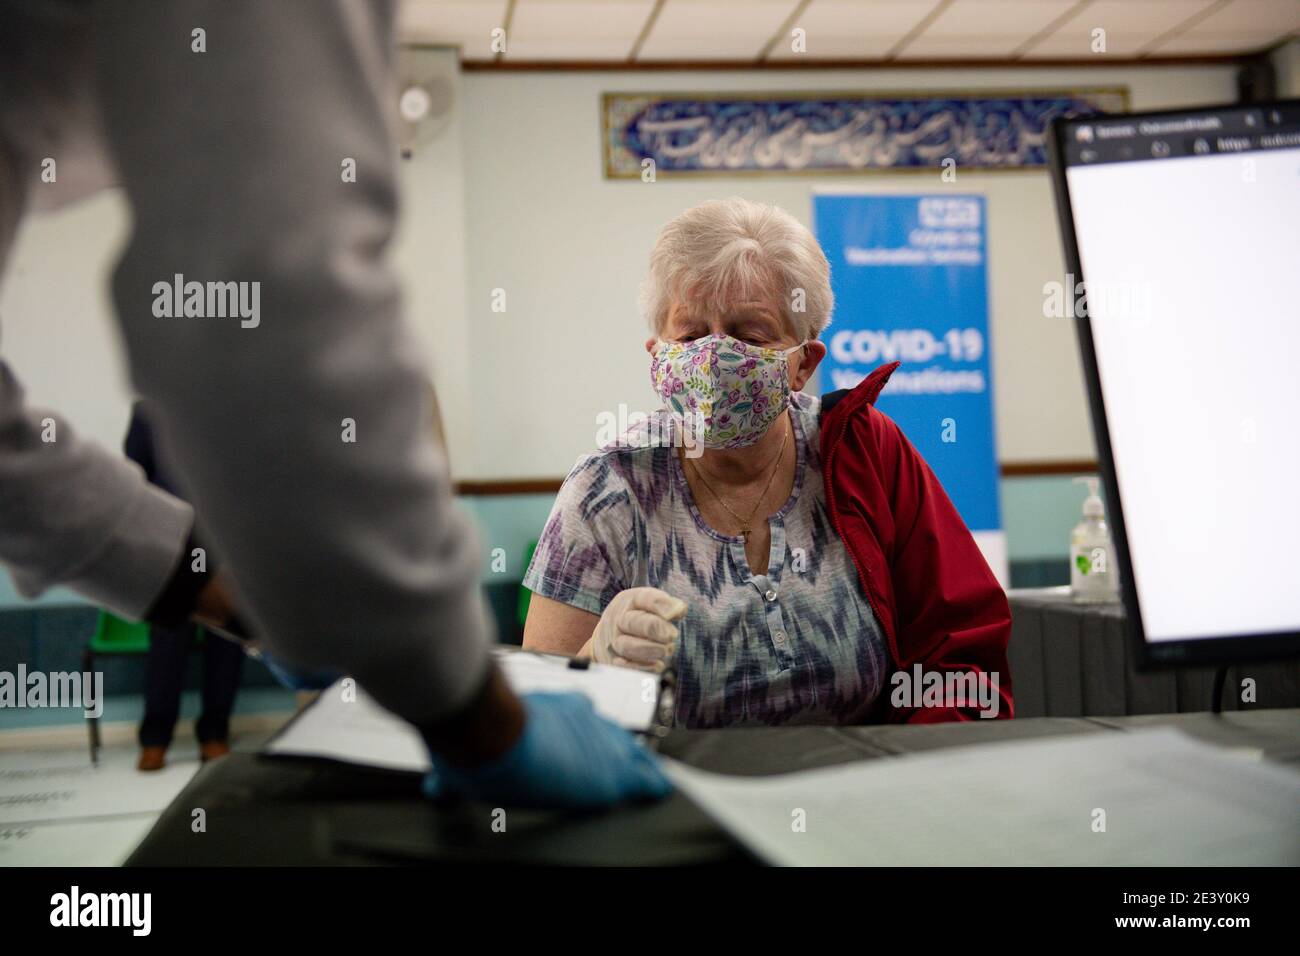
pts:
pixel 223 661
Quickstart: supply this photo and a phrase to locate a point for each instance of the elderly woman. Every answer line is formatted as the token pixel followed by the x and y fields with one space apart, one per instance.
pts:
pixel 795 554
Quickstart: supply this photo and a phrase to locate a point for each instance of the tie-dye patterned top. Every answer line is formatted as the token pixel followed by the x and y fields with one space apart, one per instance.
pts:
pixel 795 643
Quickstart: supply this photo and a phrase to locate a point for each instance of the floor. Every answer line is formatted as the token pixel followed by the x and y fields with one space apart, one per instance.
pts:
pixel 59 809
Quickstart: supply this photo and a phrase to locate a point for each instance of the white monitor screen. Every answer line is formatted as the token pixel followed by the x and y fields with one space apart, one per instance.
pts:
pixel 1188 233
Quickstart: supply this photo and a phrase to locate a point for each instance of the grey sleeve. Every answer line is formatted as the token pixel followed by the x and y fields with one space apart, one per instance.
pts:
pixel 349 554
pixel 72 513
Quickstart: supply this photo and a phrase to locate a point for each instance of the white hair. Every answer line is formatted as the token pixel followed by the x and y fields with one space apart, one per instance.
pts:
pixel 729 250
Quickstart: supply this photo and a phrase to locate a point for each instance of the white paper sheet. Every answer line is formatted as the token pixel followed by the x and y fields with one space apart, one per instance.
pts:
pixel 354 729
pixel 56 786
pixel 1167 800
pixel 625 696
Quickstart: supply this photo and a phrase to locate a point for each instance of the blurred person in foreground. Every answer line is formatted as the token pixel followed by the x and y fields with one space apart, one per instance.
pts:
pixel 227 124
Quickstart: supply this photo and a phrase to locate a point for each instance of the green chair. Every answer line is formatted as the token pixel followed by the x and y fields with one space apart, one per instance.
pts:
pixel 114 636
pixel 526 595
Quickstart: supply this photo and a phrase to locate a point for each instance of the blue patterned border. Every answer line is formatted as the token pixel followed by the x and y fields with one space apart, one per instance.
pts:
pixel 843 133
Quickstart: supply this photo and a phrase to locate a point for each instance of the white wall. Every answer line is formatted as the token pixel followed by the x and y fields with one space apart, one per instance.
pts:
pixel 570 247
pixel 429 252
pixel 55 315
pixel 1286 61
pixel 510 195
pixel 56 319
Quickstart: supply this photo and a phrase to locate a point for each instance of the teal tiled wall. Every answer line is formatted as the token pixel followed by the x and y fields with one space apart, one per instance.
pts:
pixel 1038 514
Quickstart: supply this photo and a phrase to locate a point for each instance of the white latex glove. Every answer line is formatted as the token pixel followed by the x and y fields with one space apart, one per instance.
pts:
pixel 636 629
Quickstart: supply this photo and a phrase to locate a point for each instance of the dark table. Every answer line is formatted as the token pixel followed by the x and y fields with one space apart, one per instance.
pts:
pixel 1075 660
pixel 284 811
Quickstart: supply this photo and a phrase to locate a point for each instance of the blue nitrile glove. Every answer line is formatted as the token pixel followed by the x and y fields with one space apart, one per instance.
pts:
pixel 298 678
pixel 566 756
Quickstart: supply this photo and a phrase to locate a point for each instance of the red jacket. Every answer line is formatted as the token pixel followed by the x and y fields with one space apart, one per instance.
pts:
pixel 933 593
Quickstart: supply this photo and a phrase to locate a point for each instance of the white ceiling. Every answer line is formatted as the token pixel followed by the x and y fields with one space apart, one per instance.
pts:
pixel 621 31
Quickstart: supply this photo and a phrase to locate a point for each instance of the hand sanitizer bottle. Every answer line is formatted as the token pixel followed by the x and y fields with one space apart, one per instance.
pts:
pixel 1094 578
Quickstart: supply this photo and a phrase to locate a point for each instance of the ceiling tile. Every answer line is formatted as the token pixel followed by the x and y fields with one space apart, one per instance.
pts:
pixel 464 23
pixel 715 29
pixel 1215 44
pixel 926 47
pixel 968 18
pixel 1243 26
pixel 1130 27
pixel 1280 17
pixel 984 29
pixel 854 29
pixel 607 30
pixel 576 29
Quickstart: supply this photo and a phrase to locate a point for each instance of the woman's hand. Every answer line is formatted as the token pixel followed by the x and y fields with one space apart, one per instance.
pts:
pixel 636 629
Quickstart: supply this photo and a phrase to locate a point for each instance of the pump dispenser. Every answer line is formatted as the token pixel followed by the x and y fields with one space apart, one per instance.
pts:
pixel 1094 578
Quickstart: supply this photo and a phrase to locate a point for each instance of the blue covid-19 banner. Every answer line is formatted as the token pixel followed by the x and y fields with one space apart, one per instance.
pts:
pixel 911 285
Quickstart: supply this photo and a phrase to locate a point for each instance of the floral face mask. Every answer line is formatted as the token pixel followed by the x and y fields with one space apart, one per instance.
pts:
pixel 726 393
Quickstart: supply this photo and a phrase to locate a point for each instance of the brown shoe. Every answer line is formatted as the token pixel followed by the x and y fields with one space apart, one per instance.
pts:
pixel 152 758
pixel 213 749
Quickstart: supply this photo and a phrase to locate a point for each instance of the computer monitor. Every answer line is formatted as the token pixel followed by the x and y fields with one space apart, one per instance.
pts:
pixel 1182 241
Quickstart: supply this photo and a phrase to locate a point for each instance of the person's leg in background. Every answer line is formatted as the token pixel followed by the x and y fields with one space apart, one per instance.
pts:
pixel 223 663
pixel 164 677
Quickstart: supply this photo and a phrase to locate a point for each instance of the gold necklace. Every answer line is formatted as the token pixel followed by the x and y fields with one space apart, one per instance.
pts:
pixel 745 523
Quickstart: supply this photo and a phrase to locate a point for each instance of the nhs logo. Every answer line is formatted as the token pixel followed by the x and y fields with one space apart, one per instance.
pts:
pixel 938 213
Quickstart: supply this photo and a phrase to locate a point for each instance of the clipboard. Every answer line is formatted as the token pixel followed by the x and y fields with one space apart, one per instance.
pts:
pixel 344 725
